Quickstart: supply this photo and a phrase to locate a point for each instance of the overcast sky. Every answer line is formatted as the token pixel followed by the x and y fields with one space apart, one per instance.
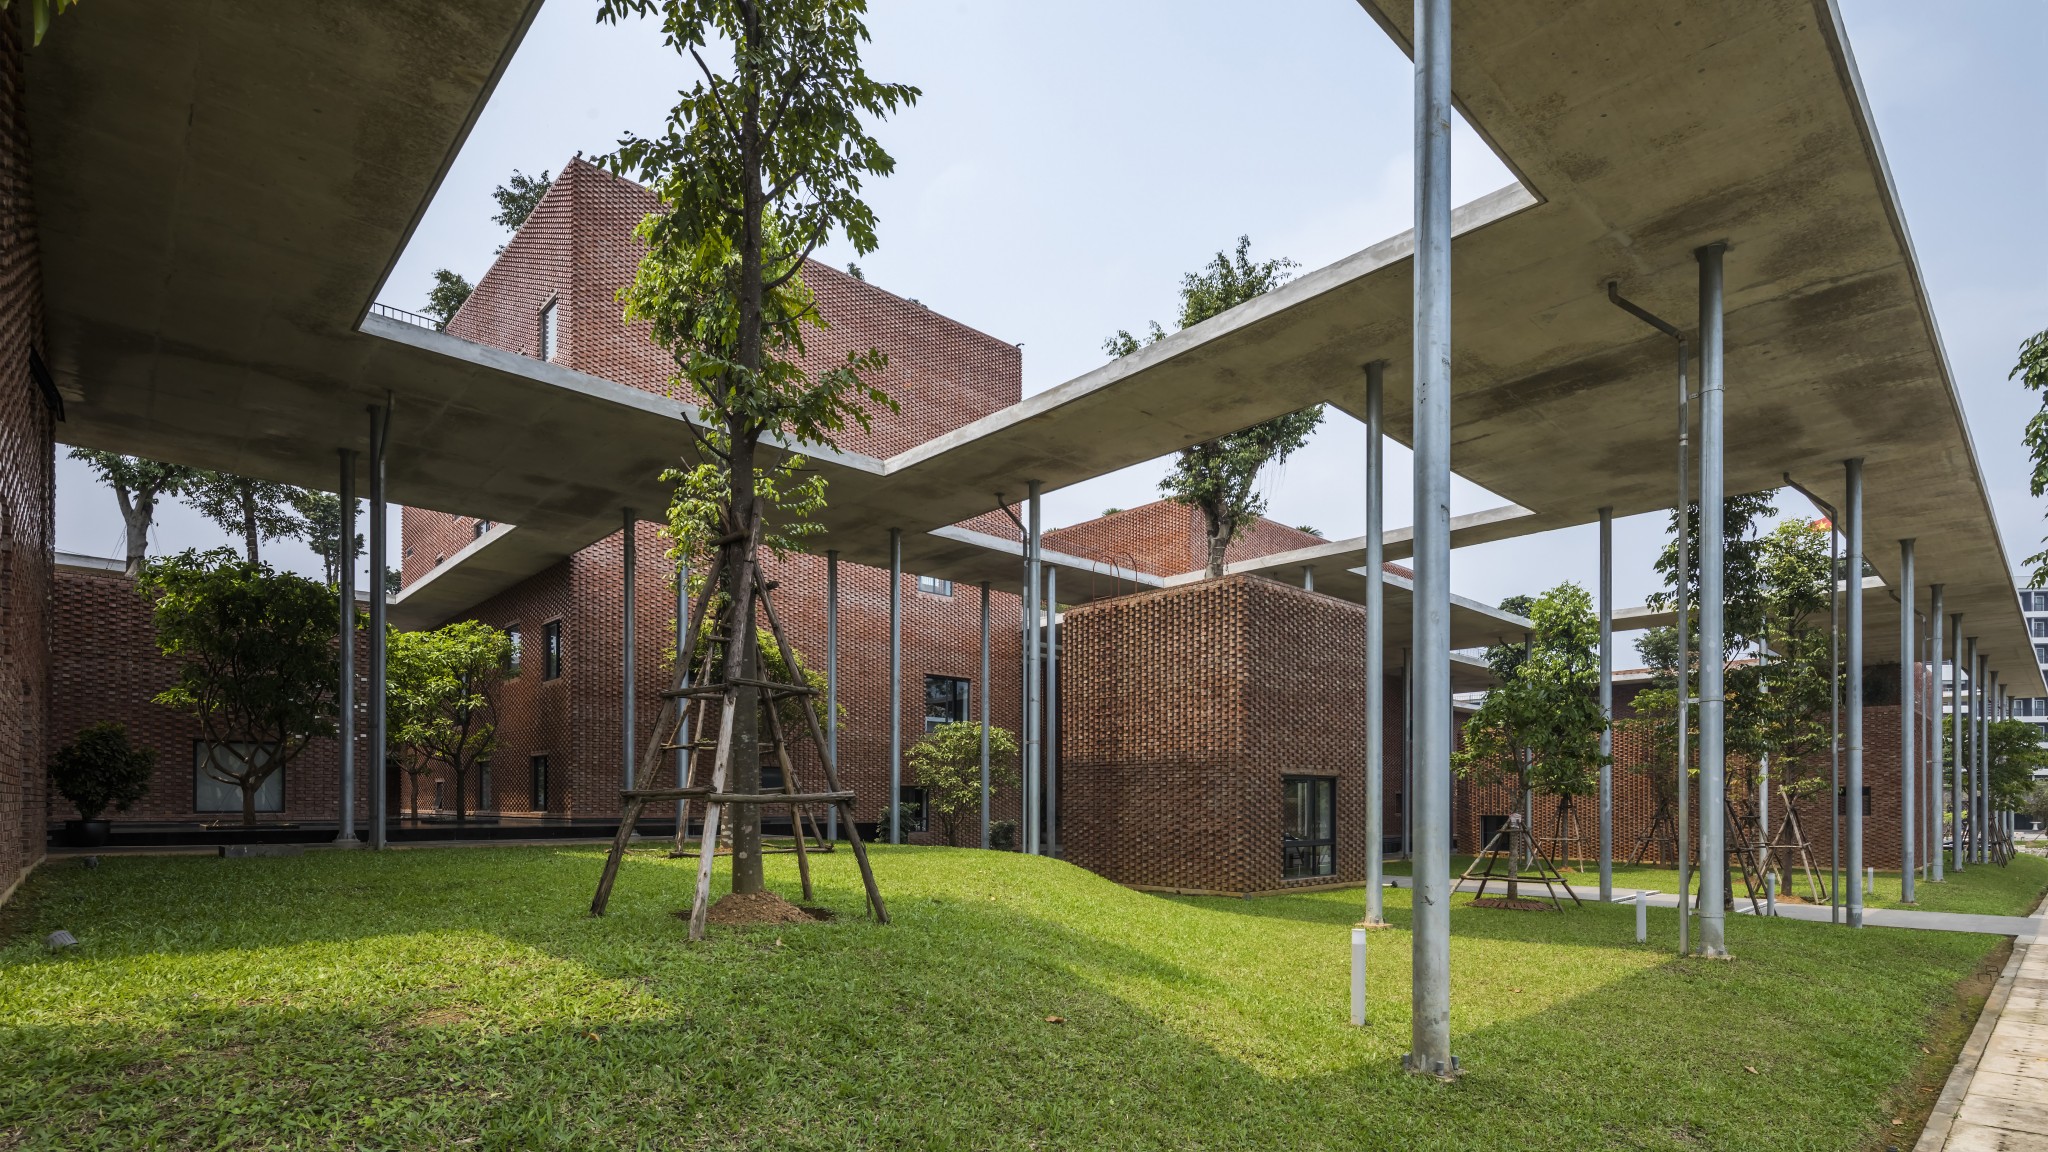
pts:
pixel 1070 160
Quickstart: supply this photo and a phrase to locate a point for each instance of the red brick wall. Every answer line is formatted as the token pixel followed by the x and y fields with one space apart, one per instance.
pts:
pixel 1184 708
pixel 1167 539
pixel 429 539
pixel 576 720
pixel 106 666
pixel 26 491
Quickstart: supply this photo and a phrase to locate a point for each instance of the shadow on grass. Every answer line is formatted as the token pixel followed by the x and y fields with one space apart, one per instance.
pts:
pixel 334 1001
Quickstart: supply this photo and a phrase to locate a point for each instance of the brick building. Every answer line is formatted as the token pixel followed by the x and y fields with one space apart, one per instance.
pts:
pixel 28 407
pixel 551 294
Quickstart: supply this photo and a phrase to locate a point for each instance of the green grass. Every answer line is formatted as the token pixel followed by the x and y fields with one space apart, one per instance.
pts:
pixel 1985 889
pixel 462 998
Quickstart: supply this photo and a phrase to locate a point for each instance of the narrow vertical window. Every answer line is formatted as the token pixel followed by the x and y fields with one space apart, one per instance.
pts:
pixel 512 644
pixel 548 343
pixel 537 766
pixel 1308 826
pixel 551 650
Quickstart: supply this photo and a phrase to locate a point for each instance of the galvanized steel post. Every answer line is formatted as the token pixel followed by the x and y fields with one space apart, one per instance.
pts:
pixel 983 693
pixel 1713 650
pixel 380 434
pixel 1909 738
pixel 1606 706
pixel 1430 1042
pixel 832 678
pixel 1375 639
pixel 627 678
pixel 1050 752
pixel 682 710
pixel 1852 515
pixel 1934 753
pixel 345 697
pixel 1034 652
pixel 895 685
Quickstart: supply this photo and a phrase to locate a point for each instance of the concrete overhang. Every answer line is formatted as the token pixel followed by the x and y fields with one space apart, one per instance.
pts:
pixel 222 189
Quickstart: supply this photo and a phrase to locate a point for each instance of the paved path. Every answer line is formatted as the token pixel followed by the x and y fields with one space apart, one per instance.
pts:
pixel 2021 928
pixel 1997 1097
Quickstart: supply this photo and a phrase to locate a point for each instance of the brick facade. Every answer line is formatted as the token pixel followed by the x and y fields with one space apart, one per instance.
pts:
pixel 1166 539
pixel 106 667
pixel 27 491
pixel 577 249
pixel 1183 709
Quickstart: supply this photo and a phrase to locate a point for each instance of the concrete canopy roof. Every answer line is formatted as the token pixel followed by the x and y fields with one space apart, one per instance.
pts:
pixel 221 192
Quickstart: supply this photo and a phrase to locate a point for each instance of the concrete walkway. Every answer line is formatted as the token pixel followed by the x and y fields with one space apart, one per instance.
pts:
pixel 1997 1097
pixel 2022 928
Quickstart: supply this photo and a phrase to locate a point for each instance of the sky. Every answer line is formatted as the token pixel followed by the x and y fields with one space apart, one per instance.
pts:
pixel 1068 161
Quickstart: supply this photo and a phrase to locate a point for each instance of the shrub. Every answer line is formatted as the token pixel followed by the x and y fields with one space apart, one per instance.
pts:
pixel 100 769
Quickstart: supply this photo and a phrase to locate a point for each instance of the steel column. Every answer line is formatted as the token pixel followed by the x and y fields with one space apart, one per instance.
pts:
pixel 345 696
pixel 1909 738
pixel 895 685
pixel 1852 801
pixel 1034 651
pixel 1713 650
pixel 1430 1044
pixel 832 678
pixel 627 679
pixel 1991 717
pixel 682 706
pixel 1963 736
pixel 1934 752
pixel 1050 752
pixel 1976 748
pixel 1606 706
pixel 380 434
pixel 1375 639
pixel 983 692
pixel 1407 758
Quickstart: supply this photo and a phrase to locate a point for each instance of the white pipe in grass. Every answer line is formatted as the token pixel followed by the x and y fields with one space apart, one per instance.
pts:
pixel 1642 917
pixel 1358 977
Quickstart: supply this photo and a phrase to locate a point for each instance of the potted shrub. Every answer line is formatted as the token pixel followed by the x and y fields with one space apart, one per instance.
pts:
pixel 97 771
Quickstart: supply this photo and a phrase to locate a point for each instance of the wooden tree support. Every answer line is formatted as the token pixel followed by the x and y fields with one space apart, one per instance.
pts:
pixel 1515 843
pixel 1790 840
pixel 718 676
pixel 1661 822
pixel 1569 834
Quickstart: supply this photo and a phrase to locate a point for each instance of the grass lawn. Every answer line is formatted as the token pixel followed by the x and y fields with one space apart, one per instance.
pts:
pixel 1987 889
pixel 462 998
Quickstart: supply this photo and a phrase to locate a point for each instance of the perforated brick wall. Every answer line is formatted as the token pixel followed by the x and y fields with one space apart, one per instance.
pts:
pixel 106 666
pixel 26 492
pixel 1184 709
pixel 1167 539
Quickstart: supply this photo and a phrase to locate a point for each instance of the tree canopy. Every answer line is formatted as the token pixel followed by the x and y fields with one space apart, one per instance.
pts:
pixel 138 483
pixel 255 510
pixel 946 763
pixel 1540 724
pixel 442 699
pixel 446 297
pixel 517 197
pixel 256 659
pixel 2032 372
pixel 1219 476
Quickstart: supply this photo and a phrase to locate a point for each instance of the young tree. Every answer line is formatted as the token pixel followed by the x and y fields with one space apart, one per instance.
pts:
pixel 445 298
pixel 442 688
pixel 2032 372
pixel 40 13
pixel 138 483
pixel 518 197
pixel 256 657
pixel 1217 476
pixel 1743 608
pixel 257 510
pixel 1797 674
pixel 946 762
pixel 1540 724
pixel 2016 754
pixel 758 166
pixel 320 525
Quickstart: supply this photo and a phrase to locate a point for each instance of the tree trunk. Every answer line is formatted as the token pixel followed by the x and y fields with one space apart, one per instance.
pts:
pixel 746 753
pixel 249 521
pixel 137 520
pixel 415 776
pixel 249 787
pixel 1219 543
pixel 461 794
pixel 747 874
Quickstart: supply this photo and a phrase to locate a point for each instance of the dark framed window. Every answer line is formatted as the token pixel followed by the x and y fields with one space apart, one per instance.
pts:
pixel 2041 653
pixel 771 776
pixel 932 585
pixel 215 768
pixel 910 802
pixel 1308 826
pixel 1842 801
pixel 512 637
pixel 2038 627
pixel 478 529
pixel 551 650
pixel 537 781
pixel 945 700
pixel 440 794
pixel 483 783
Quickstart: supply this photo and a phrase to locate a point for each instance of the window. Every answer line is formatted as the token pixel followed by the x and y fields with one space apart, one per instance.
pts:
pixel 551 650
pixel 2034 601
pixel 214 787
pixel 483 783
pixel 548 330
pixel 945 701
pixel 512 638
pixel 480 527
pixel 2041 653
pixel 2037 627
pixel 537 770
pixel 441 794
pixel 1308 826
pixel 910 800
pixel 1842 801
pixel 771 776
pixel 934 586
